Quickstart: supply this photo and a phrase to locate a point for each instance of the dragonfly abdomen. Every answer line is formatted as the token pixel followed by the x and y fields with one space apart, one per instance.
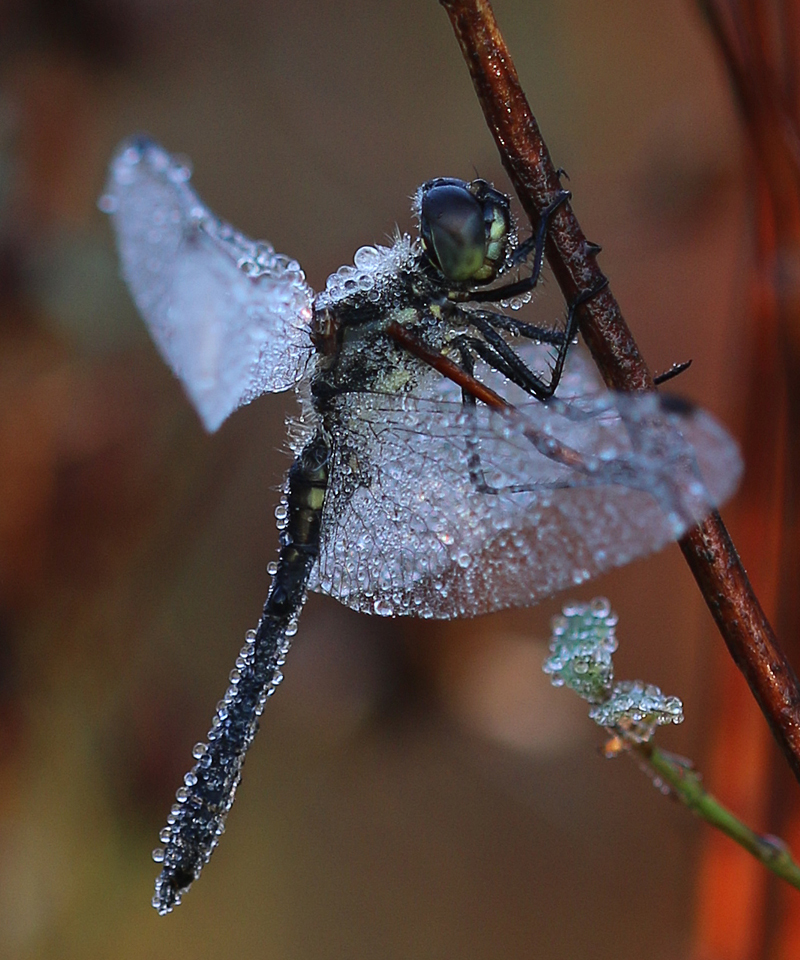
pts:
pixel 197 819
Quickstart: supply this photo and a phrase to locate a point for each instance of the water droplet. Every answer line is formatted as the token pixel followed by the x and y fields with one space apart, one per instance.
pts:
pixel 181 170
pixel 108 203
pixel 383 607
pixel 133 154
pixel 366 258
pixel 600 607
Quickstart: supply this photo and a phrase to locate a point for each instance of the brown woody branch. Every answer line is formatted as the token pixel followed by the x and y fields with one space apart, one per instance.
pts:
pixel 708 548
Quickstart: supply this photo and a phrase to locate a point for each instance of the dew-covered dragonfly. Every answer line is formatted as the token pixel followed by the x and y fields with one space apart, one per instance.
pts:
pixel 450 459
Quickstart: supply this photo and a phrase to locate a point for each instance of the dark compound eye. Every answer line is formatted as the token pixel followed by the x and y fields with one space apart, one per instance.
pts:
pixel 452 227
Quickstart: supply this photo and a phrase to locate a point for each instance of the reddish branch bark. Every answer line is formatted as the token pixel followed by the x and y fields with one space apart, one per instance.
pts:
pixel 708 549
pixel 758 43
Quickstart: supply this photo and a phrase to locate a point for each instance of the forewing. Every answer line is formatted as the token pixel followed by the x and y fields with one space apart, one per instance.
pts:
pixel 229 315
pixel 440 511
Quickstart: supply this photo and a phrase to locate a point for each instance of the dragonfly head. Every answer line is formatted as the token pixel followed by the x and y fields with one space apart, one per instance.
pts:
pixel 464 228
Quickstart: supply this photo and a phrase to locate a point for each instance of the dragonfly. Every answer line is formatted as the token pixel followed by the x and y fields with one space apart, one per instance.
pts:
pixel 450 459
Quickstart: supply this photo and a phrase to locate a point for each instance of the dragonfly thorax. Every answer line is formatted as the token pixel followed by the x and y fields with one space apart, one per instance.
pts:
pixel 355 354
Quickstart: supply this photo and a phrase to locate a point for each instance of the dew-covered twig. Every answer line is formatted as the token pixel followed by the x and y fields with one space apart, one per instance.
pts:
pixel 582 644
pixel 708 548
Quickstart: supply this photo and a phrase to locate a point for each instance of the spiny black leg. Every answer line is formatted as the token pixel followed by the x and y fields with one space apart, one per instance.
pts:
pixel 474 459
pixel 537 240
pixel 476 474
pixel 501 322
pixel 542 443
pixel 521 375
pixel 674 371
pixel 502 357
pixel 467 365
pixel 571 332
pixel 534 243
pixel 513 367
pixel 491 357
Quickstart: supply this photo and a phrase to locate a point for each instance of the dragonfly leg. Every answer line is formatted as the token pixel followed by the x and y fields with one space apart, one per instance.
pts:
pixel 476 474
pixel 498 353
pixel 500 321
pixel 675 370
pixel 570 333
pixel 534 244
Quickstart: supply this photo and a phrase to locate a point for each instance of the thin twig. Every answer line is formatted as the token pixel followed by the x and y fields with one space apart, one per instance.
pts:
pixel 708 549
pixel 686 784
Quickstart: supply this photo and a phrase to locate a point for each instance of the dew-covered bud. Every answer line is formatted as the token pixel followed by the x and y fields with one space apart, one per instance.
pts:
pixel 637 708
pixel 581 643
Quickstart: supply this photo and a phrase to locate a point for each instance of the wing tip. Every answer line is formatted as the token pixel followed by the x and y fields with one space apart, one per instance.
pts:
pixel 137 156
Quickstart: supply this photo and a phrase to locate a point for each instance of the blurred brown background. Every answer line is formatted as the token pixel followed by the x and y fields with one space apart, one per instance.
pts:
pixel 416 790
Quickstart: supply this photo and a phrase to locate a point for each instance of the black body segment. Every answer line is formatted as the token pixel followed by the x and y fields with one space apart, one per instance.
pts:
pixel 198 817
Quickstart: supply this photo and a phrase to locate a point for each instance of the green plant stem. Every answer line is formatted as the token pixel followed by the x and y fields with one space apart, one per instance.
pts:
pixel 687 785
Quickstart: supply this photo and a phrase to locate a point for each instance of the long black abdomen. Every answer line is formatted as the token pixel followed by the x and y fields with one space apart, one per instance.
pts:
pixel 197 819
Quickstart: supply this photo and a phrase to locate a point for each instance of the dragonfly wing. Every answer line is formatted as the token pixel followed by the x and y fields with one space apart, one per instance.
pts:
pixel 441 511
pixel 229 315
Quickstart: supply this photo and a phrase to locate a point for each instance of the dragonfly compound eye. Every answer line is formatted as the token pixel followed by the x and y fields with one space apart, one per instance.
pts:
pixel 453 229
pixel 465 228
